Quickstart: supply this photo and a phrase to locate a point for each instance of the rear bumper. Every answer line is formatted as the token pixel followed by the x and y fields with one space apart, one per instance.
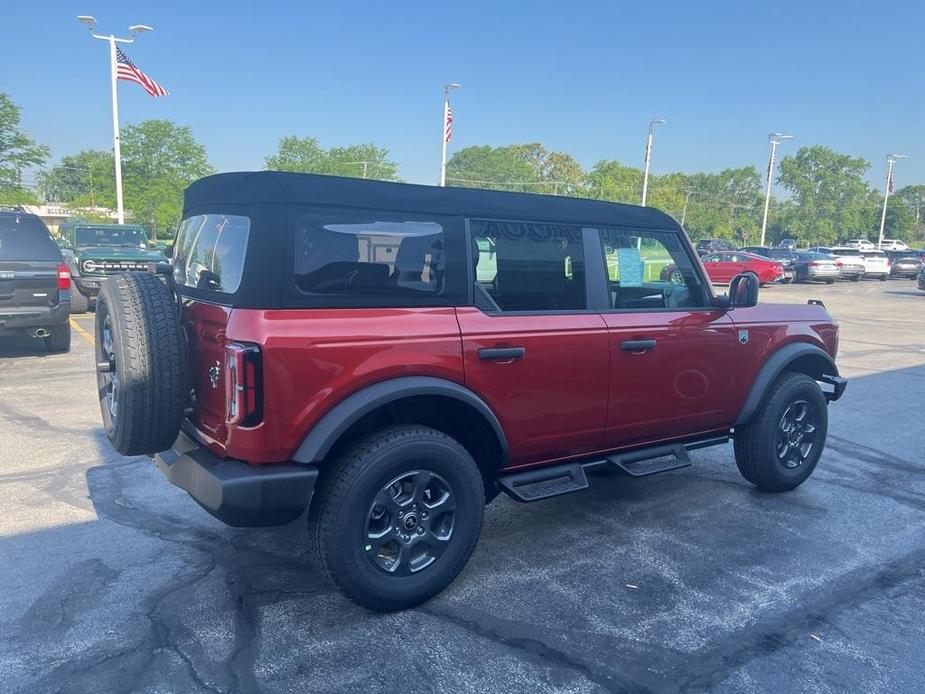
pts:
pixel 235 492
pixel 15 320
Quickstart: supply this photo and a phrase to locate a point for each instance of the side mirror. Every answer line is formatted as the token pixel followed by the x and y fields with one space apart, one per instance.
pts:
pixel 743 290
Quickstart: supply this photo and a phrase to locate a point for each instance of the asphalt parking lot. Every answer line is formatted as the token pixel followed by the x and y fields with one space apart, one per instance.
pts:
pixel 112 580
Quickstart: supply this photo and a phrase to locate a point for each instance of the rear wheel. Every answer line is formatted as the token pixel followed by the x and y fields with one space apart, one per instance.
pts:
pixel 79 302
pixel 780 447
pixel 396 517
pixel 141 363
pixel 884 278
pixel 59 338
pixel 856 278
pixel 830 281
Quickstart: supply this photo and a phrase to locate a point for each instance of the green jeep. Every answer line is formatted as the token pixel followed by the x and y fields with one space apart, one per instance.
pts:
pixel 95 251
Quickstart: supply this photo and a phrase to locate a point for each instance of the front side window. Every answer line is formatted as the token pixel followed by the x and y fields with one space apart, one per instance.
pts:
pixel 527 266
pixel 650 270
pixel 209 252
pixel 375 258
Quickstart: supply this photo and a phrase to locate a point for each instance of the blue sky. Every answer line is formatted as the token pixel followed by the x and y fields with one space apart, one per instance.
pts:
pixel 580 77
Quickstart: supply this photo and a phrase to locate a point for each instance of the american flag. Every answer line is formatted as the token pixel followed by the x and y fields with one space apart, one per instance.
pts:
pixel 889 183
pixel 126 70
pixel 448 123
pixel 770 166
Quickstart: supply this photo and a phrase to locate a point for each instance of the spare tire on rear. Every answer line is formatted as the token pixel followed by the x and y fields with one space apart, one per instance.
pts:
pixel 141 357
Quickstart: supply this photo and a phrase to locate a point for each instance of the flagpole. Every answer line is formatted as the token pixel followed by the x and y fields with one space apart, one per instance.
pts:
pixel 775 139
pixel 446 109
pixel 890 160
pixel 645 176
pixel 116 147
pixel 90 22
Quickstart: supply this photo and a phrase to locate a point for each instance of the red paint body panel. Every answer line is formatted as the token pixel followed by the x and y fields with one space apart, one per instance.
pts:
pixel 574 393
pixel 683 386
pixel 551 403
pixel 314 358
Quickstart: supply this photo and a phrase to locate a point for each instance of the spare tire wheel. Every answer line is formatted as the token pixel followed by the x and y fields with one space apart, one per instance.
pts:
pixel 141 357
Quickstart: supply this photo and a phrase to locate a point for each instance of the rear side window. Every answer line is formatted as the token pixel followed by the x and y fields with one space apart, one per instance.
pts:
pixel 209 252
pixel 374 258
pixel 25 238
pixel 526 266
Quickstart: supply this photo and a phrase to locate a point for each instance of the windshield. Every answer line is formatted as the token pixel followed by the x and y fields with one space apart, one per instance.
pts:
pixel 111 236
pixel 781 253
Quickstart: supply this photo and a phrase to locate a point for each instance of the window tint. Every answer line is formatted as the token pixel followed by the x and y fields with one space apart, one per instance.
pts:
pixel 25 238
pixel 209 252
pixel 394 258
pixel 525 266
pixel 650 270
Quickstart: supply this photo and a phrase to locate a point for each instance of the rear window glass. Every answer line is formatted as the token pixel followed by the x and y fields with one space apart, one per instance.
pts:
pixel 110 236
pixel 209 252
pixel 25 238
pixel 375 257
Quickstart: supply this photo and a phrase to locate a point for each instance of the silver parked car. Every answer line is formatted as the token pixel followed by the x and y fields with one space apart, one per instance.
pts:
pixel 815 267
pixel 852 264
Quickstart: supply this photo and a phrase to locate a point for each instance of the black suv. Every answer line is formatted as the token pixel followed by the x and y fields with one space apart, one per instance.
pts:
pixel 35 283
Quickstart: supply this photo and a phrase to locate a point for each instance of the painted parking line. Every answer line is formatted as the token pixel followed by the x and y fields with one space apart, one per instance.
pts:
pixel 83 333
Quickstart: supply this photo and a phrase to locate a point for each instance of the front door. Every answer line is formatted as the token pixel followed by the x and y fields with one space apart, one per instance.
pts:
pixel 532 349
pixel 673 355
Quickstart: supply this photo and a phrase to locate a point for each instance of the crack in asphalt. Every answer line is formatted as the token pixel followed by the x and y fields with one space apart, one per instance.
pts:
pixel 537 648
pixel 741 647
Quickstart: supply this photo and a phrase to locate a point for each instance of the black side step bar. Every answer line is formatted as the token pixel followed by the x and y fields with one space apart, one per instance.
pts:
pixel 542 483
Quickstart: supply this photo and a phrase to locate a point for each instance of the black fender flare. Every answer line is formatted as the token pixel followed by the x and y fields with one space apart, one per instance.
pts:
pixel 813 360
pixel 327 430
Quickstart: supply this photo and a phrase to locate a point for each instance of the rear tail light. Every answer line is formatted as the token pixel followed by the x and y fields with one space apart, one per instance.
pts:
pixel 243 384
pixel 64 277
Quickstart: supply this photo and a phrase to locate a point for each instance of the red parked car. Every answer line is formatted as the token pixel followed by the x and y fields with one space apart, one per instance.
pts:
pixel 392 357
pixel 722 267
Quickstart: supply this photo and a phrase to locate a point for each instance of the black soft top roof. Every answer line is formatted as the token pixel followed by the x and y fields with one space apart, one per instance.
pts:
pixel 277 187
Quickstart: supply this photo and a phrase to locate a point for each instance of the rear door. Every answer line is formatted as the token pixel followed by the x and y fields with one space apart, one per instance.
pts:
pixel 209 258
pixel 29 262
pixel 532 349
pixel 673 362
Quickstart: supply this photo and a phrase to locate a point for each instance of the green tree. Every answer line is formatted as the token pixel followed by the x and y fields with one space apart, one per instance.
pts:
pixel 305 155
pixel 529 168
pixel 616 182
pixel 85 179
pixel 905 214
pixel 832 201
pixel 159 159
pixel 17 152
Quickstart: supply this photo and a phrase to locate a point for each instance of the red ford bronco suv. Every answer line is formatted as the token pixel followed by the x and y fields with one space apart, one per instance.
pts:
pixel 393 356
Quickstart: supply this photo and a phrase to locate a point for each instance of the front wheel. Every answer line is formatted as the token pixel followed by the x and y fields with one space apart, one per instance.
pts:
pixel 884 278
pixel 830 281
pixel 396 517
pixel 779 448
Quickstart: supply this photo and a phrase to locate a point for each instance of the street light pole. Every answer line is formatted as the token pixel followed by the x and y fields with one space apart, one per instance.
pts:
pixel 113 77
pixel 775 139
pixel 890 160
pixel 645 176
pixel 447 88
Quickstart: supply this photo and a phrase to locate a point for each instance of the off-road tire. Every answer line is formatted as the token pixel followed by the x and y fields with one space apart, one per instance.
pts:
pixel 150 359
pixel 755 443
pixel 59 338
pixel 79 302
pixel 343 500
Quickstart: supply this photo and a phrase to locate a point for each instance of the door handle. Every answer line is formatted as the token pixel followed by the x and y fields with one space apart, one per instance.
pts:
pixel 510 353
pixel 637 345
